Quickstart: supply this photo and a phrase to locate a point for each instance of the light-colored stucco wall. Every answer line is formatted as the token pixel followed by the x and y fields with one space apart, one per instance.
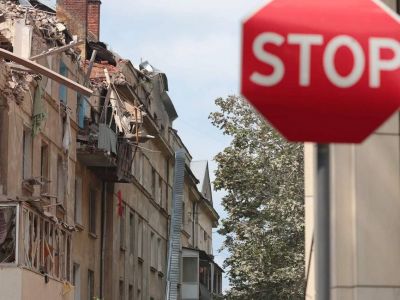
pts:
pixel 21 284
pixel 365 216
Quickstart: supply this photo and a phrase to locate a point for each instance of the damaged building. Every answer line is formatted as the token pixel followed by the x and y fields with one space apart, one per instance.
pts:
pixel 87 153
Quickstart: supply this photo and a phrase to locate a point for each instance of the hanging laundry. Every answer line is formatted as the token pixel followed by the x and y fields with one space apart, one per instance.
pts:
pixel 39 114
pixel 67 133
pixel 81 110
pixel 107 139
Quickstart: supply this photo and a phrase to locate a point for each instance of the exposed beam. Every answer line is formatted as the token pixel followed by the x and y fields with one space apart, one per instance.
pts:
pixel 90 67
pixel 46 72
pixel 56 50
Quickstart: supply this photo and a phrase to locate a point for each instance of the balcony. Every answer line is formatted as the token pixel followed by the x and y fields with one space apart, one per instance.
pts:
pixel 34 242
pixel 109 157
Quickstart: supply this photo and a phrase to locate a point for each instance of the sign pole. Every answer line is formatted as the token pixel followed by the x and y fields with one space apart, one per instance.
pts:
pixel 322 224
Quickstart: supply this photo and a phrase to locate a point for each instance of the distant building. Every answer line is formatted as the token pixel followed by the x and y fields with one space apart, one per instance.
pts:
pixel 86 182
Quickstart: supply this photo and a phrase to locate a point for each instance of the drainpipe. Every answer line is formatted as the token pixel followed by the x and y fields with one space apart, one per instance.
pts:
pixel 102 238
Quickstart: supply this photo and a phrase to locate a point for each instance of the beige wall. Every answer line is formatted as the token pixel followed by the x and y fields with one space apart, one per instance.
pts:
pixel 86 247
pixel 365 216
pixel 21 284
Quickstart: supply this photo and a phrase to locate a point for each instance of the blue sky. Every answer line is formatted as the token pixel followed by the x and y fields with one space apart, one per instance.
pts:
pixel 197 44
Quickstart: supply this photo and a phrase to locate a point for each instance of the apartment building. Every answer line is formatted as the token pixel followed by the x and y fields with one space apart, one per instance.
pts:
pixel 86 178
pixel 364 212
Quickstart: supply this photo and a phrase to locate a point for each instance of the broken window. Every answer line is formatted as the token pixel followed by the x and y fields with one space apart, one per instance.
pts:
pixel 81 110
pixel 7 234
pixel 62 93
pixel 46 245
pixel 27 154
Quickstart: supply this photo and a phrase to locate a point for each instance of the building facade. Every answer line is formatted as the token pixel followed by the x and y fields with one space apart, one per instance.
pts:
pixel 86 179
pixel 364 212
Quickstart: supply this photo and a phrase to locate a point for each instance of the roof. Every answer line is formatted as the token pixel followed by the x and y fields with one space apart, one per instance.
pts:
pixel 204 256
pixel 169 106
pixel 49 3
pixel 199 169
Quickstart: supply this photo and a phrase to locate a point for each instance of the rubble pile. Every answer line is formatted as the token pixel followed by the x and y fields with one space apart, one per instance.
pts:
pixel 52 30
pixel 14 84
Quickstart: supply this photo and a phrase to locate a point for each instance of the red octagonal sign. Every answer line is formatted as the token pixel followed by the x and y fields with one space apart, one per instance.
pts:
pixel 323 71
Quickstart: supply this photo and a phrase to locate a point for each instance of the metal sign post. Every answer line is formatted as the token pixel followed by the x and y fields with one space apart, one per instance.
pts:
pixel 322 224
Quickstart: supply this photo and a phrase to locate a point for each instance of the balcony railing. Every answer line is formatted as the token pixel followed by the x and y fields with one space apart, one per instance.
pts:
pixel 34 241
pixel 100 150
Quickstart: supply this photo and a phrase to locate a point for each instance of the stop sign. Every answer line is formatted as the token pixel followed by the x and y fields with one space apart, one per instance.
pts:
pixel 322 71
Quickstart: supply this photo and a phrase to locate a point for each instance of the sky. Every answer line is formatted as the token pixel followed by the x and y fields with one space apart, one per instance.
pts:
pixel 197 44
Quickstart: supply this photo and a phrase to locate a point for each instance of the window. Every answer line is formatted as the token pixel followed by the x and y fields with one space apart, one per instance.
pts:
pixel 76 281
pixel 62 92
pixel 80 110
pixel 27 154
pixel 189 269
pixel 92 211
pixel 60 180
pixel 160 191
pixel 204 275
pixel 140 238
pixel 131 232
pixel 122 236
pixel 153 251
pixel 121 290
pixel 44 167
pixel 153 183
pixel 90 285
pixel 139 161
pixel 78 200
pixel 205 235
pixel 160 256
pixel 183 215
pixel 130 292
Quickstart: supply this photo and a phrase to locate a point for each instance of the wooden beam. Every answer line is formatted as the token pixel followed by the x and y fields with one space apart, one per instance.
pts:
pixel 56 50
pixel 46 72
pixel 90 67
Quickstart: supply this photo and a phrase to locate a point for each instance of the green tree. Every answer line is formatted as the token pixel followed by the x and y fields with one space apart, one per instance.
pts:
pixel 262 175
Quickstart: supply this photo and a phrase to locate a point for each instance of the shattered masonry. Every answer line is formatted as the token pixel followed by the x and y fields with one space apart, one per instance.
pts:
pixel 86 181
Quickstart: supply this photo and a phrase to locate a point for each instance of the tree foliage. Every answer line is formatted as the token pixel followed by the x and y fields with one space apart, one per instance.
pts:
pixel 262 175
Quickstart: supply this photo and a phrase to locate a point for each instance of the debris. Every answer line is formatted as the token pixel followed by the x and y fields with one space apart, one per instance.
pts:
pixel 39 114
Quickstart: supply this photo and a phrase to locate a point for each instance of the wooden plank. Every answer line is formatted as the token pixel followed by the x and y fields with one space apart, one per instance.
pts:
pixel 56 50
pixel 90 67
pixel 46 72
